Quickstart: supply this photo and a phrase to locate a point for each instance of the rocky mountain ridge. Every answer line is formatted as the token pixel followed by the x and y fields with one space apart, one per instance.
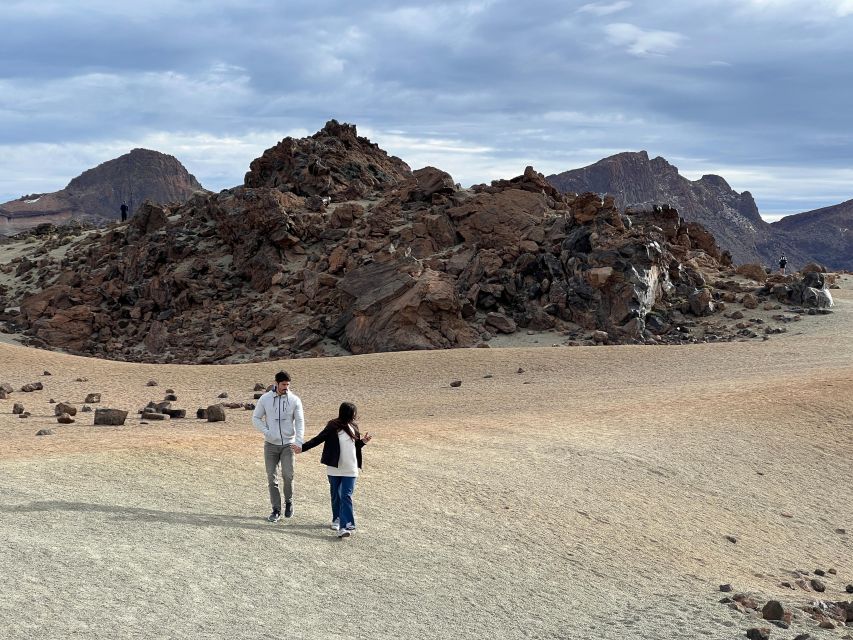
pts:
pixel 826 234
pixel 333 246
pixel 636 181
pixel 96 194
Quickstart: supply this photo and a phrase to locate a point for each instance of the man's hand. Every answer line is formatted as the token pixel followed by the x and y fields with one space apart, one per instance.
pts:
pixel 296 448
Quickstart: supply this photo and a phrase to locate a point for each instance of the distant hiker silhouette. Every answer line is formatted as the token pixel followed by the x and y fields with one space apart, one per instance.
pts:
pixel 783 262
pixel 123 212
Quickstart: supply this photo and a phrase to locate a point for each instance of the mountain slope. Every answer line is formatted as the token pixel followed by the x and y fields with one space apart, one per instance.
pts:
pixel 826 233
pixel 96 194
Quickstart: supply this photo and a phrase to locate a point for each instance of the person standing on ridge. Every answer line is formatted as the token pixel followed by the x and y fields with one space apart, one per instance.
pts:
pixel 279 416
pixel 783 262
pixel 123 212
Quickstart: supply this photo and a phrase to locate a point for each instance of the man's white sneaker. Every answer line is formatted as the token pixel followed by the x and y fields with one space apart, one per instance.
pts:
pixel 335 525
pixel 344 533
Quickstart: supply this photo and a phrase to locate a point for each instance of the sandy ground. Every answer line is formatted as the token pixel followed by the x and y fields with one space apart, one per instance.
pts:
pixel 587 497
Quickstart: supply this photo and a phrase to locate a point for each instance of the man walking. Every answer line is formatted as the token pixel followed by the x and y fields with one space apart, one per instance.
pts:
pixel 280 418
pixel 783 262
pixel 123 212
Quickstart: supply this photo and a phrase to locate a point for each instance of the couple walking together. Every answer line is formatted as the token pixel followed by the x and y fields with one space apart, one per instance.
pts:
pixel 280 417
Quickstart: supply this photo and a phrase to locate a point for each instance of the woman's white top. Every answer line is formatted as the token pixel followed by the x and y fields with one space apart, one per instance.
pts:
pixel 347 463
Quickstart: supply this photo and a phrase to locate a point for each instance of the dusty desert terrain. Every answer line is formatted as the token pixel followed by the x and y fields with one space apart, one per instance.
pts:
pixel 588 497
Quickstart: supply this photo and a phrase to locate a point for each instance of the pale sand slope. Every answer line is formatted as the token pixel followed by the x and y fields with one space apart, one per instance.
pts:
pixel 590 503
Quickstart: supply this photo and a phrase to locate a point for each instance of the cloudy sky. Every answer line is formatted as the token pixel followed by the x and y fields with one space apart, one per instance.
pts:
pixel 758 91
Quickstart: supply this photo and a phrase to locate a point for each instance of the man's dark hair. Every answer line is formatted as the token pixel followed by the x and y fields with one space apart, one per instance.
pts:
pixel 282 376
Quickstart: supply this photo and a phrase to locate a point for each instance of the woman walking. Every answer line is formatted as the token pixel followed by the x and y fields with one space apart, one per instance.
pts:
pixel 342 444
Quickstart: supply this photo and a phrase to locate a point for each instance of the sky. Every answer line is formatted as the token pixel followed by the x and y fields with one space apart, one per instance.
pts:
pixel 757 91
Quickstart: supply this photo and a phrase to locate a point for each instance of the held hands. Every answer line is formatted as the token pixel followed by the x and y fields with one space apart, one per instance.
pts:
pixel 366 437
pixel 296 448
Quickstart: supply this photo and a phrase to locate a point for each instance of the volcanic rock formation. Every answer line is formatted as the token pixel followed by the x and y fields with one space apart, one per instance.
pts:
pixel 637 183
pixel 333 246
pixel 96 194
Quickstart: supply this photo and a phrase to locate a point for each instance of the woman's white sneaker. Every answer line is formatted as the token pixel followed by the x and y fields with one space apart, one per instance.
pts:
pixel 335 525
pixel 344 533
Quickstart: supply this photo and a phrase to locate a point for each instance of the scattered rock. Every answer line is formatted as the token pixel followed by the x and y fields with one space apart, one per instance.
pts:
pixel 249 406
pixel 773 610
pixel 849 588
pixel 725 588
pixel 224 394
pixel 176 413
pixel 500 322
pixel 215 413
pixel 46 373
pixel 25 414
pixel 111 417
pixel 758 633
pixel 3 394
pixel 201 414
pixel 151 415
pixel 817 585
pixel 62 407
pixel 731 539
pixel 6 388
pixel 170 397
pixel 32 386
pixel 44 432
pixel 81 380
pixel 259 387
pixel 65 419
pixel 258 395
pixel 456 383
pixel 92 398
pixel 819 572
pixel 169 391
pixel 86 408
pixel 18 408
pixel 151 383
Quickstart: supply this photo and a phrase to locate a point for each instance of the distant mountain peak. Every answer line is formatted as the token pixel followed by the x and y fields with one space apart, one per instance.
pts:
pixel 635 181
pixel 97 193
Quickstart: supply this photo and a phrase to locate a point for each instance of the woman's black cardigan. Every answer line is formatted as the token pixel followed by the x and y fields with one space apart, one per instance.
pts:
pixel 332 446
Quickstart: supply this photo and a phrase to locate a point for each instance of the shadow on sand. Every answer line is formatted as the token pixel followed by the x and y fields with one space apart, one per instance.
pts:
pixel 182 518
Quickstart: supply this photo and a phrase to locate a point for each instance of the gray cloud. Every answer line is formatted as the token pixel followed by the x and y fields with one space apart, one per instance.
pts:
pixel 480 88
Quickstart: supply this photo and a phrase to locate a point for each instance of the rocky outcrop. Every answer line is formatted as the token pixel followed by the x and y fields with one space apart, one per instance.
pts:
pixel 362 255
pixel 335 163
pixel 637 182
pixel 96 195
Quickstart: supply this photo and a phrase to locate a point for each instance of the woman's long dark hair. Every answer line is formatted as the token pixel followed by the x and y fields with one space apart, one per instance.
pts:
pixel 347 414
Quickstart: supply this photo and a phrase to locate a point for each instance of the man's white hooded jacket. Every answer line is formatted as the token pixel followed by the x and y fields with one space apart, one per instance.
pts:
pixel 280 418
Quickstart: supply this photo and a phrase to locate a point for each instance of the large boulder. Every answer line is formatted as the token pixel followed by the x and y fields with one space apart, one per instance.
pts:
pixel 110 417
pixel 215 413
pixel 403 311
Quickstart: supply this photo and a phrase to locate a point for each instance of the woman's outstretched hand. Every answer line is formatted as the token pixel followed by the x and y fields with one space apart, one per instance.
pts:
pixel 296 448
pixel 366 438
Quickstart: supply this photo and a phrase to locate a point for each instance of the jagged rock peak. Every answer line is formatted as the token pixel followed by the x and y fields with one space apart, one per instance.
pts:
pixel 335 162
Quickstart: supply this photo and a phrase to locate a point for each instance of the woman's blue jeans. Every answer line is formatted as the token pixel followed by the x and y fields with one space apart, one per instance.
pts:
pixel 341 489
